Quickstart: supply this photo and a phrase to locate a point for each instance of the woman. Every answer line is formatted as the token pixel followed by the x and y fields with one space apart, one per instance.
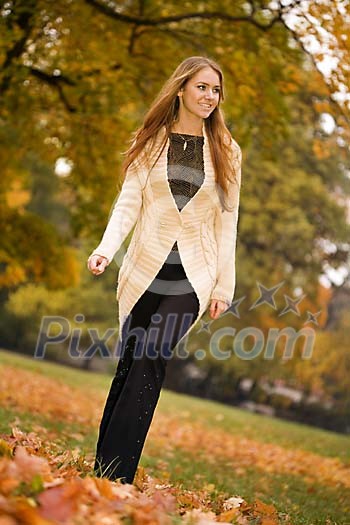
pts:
pixel 181 192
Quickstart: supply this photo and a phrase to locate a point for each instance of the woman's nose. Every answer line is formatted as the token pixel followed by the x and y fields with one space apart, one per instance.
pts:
pixel 209 95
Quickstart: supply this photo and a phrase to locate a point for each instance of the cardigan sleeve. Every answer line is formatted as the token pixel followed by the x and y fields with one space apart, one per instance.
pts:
pixel 226 236
pixel 123 217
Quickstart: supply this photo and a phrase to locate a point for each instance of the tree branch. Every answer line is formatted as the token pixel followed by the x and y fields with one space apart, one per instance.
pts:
pixel 56 81
pixel 25 21
pixel 205 15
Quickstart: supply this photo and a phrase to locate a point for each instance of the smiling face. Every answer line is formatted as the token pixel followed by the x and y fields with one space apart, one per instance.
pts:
pixel 201 94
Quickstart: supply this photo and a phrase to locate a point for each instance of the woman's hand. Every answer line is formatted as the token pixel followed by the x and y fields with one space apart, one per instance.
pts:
pixel 217 308
pixel 97 264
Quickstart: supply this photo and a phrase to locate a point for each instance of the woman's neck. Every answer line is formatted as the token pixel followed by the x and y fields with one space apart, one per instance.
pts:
pixel 187 128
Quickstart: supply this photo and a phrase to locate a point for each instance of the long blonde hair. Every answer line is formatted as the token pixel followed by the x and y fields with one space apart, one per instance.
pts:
pixel 164 111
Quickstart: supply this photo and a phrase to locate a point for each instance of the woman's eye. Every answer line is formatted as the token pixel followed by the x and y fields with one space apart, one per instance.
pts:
pixel 216 90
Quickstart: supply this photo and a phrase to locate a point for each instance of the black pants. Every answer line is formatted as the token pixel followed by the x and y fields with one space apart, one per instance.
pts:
pixel 162 314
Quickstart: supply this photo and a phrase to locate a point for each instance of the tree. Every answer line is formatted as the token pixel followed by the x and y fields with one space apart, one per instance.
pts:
pixel 76 78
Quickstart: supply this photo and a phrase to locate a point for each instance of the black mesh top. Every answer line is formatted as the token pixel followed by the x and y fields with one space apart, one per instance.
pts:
pixel 185 168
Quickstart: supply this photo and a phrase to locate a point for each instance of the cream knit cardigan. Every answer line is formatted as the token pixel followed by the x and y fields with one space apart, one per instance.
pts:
pixel 206 235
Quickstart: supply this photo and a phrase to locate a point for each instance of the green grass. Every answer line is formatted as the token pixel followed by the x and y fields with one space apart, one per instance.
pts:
pixel 257 426
pixel 288 493
pixel 71 376
pixel 307 504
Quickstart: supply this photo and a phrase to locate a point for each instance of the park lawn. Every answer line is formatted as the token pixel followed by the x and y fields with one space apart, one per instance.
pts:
pixel 193 444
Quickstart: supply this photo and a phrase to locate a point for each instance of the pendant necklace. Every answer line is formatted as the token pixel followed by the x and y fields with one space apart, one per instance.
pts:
pixel 185 143
pixel 193 138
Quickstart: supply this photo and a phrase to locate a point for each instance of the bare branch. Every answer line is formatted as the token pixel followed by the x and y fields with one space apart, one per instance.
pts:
pixel 56 81
pixel 25 21
pixel 205 15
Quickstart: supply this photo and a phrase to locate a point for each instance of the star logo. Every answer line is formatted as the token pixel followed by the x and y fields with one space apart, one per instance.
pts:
pixel 292 305
pixel 312 318
pixel 266 295
pixel 204 326
pixel 233 309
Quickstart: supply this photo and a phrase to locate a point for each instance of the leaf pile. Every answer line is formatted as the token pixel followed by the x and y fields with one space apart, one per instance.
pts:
pixel 37 487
